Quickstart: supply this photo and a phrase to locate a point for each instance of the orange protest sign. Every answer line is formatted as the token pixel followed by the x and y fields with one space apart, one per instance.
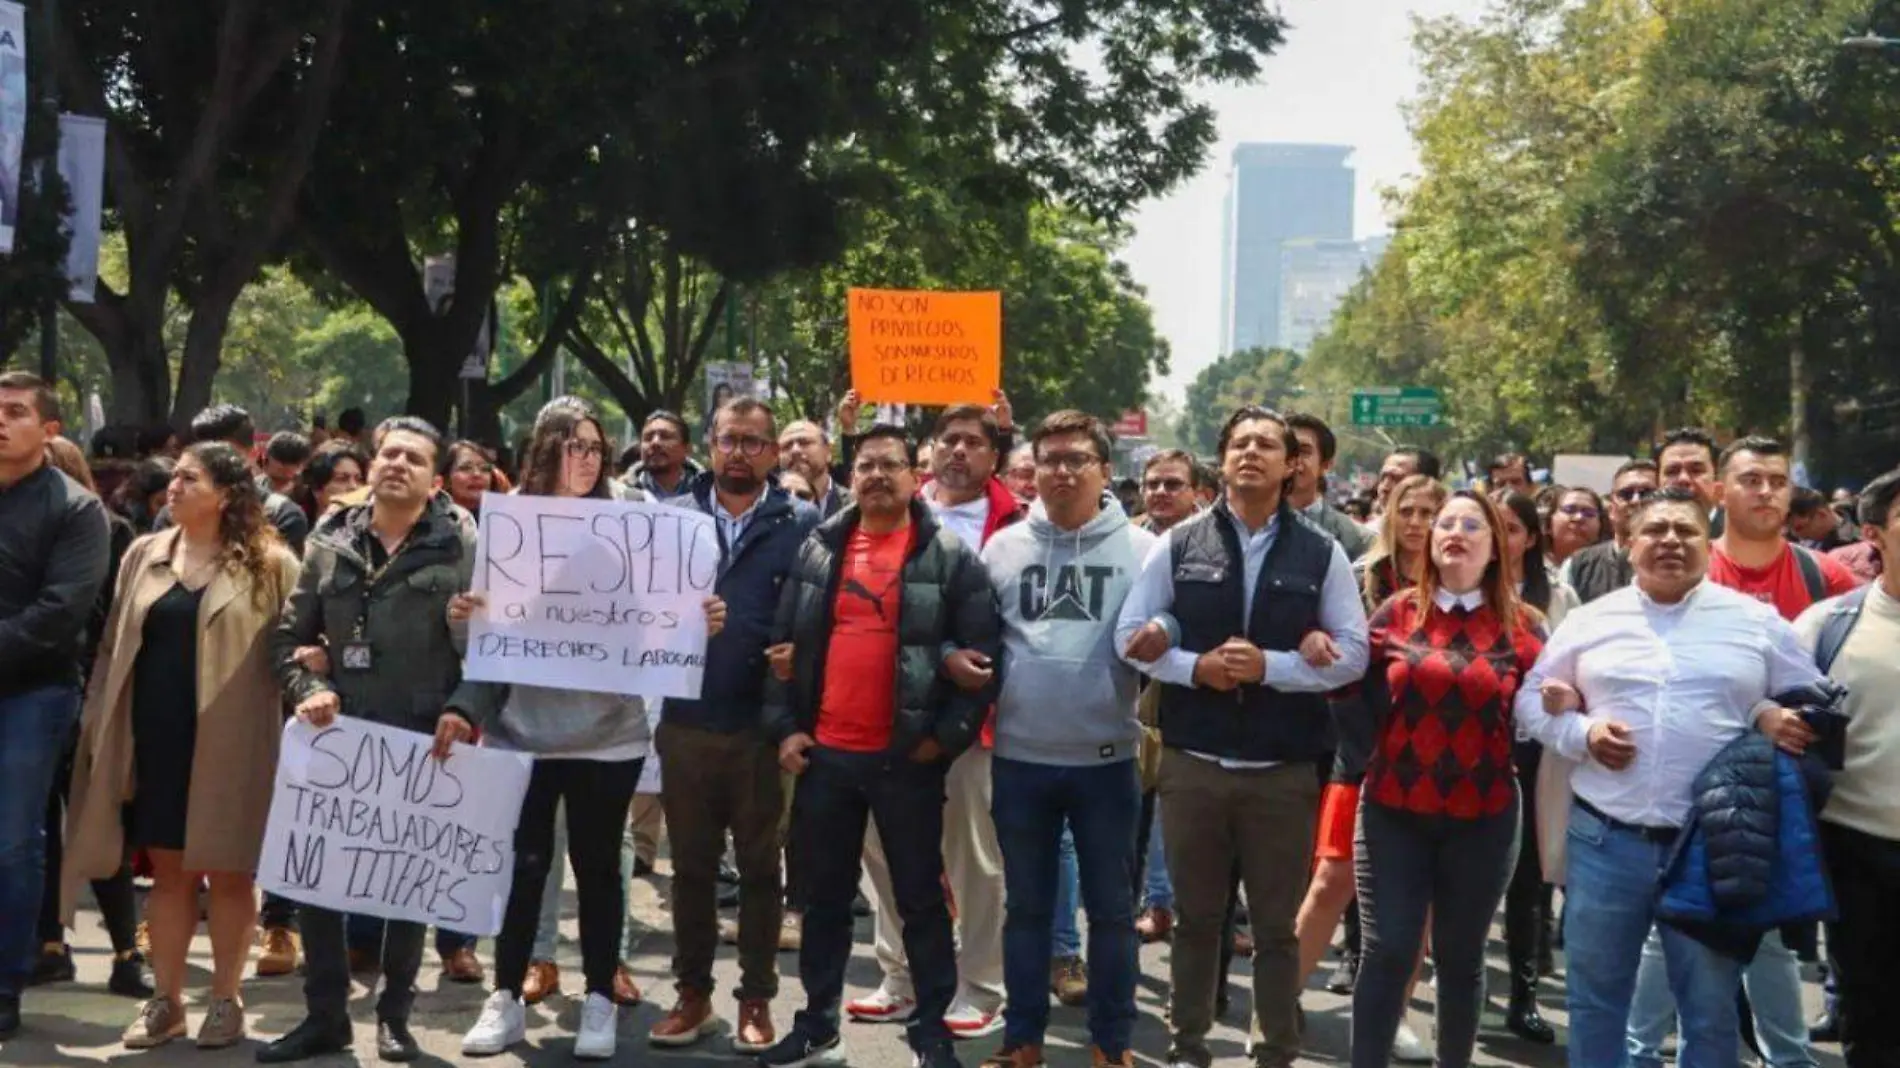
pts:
pixel 919 347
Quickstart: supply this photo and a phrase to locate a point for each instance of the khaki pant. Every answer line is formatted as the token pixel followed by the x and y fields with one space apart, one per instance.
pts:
pixel 973 865
pixel 645 826
pixel 1263 818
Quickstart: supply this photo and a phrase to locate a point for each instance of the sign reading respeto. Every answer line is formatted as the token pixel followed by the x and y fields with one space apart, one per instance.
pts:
pixel 588 594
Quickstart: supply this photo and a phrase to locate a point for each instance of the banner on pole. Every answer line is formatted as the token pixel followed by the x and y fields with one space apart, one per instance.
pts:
pixel 917 347
pixel 82 166
pixel 12 115
pixel 597 595
pixel 365 821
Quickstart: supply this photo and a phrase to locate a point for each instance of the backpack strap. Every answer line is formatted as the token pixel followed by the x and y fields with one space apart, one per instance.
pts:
pixel 1811 573
pixel 1836 627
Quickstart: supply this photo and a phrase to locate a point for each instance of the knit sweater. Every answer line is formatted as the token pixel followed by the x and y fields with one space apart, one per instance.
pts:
pixel 1439 691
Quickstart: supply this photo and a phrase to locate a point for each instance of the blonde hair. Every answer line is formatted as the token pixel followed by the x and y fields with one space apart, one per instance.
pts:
pixel 1385 544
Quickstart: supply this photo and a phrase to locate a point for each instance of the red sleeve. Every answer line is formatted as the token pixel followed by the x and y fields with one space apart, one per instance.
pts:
pixel 1839 579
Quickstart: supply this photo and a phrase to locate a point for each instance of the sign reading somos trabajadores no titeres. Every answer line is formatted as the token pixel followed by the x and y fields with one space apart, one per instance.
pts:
pixel 364 820
pixel 925 347
pixel 588 594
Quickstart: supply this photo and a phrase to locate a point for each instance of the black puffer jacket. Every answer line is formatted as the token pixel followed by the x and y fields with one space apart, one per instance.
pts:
pixel 945 600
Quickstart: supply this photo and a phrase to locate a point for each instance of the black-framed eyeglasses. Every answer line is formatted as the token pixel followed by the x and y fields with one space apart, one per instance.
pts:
pixel 1070 462
pixel 747 445
pixel 1164 485
pixel 580 450
pixel 1632 494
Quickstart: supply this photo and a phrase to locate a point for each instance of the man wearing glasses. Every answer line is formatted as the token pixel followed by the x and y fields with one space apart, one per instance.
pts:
pixel 1605 568
pixel 720 770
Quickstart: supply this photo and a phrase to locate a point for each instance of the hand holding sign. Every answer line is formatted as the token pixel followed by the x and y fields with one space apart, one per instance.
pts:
pixel 917 347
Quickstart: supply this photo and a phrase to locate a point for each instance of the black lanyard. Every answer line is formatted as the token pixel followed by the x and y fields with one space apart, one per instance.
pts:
pixel 373 577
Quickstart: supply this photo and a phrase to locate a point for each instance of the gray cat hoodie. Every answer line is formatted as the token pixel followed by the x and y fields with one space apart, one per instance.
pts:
pixel 1068 698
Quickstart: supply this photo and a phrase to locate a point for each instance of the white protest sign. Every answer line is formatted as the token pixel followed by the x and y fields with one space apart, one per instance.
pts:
pixel 364 820
pixel 589 594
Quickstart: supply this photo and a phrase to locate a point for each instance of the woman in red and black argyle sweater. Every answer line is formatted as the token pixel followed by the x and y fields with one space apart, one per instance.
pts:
pixel 1438 820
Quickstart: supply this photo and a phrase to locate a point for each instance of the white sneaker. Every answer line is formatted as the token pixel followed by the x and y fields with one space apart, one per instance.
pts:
pixel 1407 1049
pixel 600 1019
pixel 967 1021
pixel 881 1006
pixel 503 1023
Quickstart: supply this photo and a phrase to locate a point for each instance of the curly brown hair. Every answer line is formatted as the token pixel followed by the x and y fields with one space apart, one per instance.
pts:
pixel 245 534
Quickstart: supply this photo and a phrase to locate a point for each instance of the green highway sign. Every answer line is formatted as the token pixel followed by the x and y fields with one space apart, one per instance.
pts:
pixel 1396 406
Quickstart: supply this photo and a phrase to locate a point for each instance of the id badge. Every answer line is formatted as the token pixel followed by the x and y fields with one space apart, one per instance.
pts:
pixel 358 657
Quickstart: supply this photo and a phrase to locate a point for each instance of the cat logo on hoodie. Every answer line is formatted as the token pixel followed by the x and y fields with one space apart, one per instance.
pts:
pixel 1077 594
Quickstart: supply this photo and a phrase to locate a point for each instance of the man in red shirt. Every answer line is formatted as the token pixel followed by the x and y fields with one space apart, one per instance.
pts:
pixel 883 609
pixel 1752 556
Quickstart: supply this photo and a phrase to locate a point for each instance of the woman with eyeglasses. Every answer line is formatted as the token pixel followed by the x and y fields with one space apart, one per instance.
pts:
pixel 468 470
pixel 1527 904
pixel 1576 523
pixel 1438 812
pixel 588 750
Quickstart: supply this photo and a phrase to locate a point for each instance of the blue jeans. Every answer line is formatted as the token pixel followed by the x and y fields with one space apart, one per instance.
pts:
pixel 1773 981
pixel 34 729
pixel 1159 893
pixel 1609 913
pixel 1067 935
pixel 1030 804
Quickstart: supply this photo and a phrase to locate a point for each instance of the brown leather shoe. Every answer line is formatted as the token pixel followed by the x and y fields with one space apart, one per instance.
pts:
pixel 462 966
pixel 691 1019
pixel 1025 1056
pixel 755 1034
pixel 626 991
pixel 1098 1059
pixel 1155 925
pixel 278 955
pixel 543 978
pixel 1069 981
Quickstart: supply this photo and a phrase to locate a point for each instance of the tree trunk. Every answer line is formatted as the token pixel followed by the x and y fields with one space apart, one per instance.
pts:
pixel 433 367
pixel 204 349
pixel 141 378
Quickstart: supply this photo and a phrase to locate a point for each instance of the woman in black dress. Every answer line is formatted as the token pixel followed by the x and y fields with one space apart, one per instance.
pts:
pixel 169 766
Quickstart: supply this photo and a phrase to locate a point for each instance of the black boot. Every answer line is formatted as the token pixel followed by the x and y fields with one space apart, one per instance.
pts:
pixel 1522 918
pixel 1524 1020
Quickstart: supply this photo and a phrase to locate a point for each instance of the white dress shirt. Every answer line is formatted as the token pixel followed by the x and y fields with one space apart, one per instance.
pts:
pixel 1341 615
pixel 1685 677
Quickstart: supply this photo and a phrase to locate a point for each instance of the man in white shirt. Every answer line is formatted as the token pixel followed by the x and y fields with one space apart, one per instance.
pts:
pixel 1645 686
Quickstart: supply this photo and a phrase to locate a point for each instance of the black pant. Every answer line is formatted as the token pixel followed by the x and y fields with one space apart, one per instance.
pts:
pixel 326 981
pixel 598 794
pixel 1527 900
pixel 1866 938
pixel 836 794
pixel 277 912
pixel 1144 833
pixel 118 905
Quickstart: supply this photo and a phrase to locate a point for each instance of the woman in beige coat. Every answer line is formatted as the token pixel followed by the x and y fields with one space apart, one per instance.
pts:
pixel 178 745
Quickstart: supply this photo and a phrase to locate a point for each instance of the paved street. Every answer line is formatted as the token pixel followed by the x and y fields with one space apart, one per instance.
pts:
pixel 79 1024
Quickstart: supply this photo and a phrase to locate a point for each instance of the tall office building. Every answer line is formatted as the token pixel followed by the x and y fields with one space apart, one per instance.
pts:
pixel 1275 193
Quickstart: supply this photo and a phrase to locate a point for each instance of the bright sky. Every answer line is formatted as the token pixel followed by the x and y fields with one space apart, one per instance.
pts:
pixel 1340 78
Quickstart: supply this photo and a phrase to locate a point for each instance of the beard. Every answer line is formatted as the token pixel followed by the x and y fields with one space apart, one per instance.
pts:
pixel 736 483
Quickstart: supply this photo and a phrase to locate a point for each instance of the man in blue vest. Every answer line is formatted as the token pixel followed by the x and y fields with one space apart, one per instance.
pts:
pixel 1218 613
